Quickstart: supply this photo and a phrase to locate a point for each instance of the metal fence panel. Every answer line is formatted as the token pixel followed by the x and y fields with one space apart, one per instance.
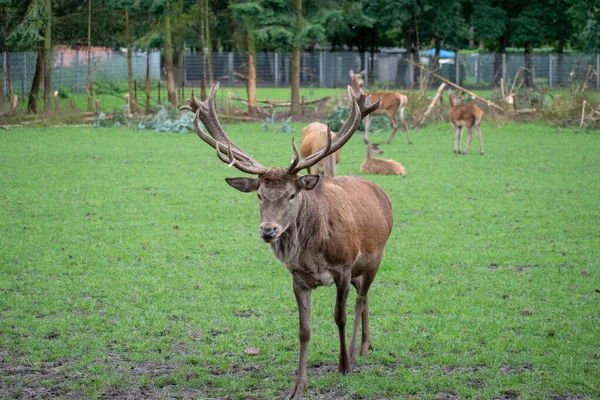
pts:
pixel 317 69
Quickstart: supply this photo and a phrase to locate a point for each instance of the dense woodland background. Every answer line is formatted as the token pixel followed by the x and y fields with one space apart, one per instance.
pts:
pixel 295 26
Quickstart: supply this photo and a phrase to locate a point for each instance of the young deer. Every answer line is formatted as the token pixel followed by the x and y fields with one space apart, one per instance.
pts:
pixel 314 136
pixel 379 166
pixel 464 115
pixel 324 230
pixel 392 103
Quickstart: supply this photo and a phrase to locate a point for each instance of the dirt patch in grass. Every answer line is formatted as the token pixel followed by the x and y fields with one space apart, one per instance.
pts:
pixel 30 380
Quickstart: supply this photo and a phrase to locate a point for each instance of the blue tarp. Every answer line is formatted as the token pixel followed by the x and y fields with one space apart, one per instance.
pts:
pixel 443 53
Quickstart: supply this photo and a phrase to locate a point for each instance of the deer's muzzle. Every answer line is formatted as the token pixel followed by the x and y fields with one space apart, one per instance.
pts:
pixel 268 231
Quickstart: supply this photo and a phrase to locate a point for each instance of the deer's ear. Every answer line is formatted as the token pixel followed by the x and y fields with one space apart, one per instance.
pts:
pixel 308 182
pixel 362 73
pixel 245 185
pixel 351 73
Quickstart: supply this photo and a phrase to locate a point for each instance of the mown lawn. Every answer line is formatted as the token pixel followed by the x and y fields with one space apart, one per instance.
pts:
pixel 129 269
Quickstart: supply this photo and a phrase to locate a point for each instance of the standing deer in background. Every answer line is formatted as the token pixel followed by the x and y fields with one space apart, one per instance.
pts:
pixel 380 166
pixel 314 136
pixel 391 103
pixel 464 115
pixel 325 230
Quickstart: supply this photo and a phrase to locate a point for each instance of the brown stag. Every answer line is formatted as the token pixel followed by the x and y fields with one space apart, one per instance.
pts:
pixel 392 103
pixel 314 136
pixel 325 230
pixel 464 115
pixel 380 166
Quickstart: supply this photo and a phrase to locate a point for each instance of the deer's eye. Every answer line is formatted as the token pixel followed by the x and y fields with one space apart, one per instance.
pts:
pixel 259 197
pixel 292 197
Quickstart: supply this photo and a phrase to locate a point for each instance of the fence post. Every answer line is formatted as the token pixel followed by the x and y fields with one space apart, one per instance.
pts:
pixel 24 75
pixel 504 67
pixel 550 71
pixel 597 71
pixel 477 66
pixel 411 72
pixel 366 67
pixel 77 71
pixel 230 67
pixel 457 67
pixel 321 67
pixel 276 69
pixel 62 63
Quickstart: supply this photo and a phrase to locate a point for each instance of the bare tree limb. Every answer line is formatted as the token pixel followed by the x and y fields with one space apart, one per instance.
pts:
pixel 435 99
pixel 450 83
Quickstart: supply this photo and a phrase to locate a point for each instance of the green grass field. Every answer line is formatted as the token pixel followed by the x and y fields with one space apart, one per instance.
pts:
pixel 129 269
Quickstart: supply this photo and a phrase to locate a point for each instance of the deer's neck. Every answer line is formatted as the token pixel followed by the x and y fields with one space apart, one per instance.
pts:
pixel 355 87
pixel 303 234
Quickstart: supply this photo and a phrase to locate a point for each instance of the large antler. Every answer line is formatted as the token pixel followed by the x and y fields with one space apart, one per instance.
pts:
pixel 227 151
pixel 361 107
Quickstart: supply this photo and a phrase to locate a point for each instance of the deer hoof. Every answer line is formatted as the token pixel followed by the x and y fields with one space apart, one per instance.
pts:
pixel 365 348
pixel 296 390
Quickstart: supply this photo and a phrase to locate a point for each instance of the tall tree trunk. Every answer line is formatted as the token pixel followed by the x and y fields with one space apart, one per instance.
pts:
pixel 8 76
pixel 147 81
pixel 209 48
pixel 1 82
pixel 202 58
pixel 295 108
pixel 90 105
pixel 169 63
pixel 502 43
pixel 37 79
pixel 48 59
pixel 252 110
pixel 560 63
pixel 528 75
pixel 133 107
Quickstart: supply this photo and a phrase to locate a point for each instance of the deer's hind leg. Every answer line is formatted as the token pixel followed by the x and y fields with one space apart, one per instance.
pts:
pixel 361 315
pixel 392 118
pixel 478 129
pixel 404 124
pixel 470 133
pixel 457 138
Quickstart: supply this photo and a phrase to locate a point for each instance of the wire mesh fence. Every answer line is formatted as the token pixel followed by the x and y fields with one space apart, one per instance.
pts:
pixel 317 69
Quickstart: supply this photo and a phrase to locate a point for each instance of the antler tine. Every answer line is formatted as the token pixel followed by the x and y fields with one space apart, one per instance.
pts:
pixel 205 111
pixel 364 103
pixel 295 157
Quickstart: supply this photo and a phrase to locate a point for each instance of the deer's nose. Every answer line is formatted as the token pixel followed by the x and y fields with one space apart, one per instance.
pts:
pixel 268 231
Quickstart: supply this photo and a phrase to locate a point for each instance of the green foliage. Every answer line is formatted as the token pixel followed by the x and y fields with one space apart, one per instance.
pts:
pixel 65 93
pixel 269 124
pixel 169 120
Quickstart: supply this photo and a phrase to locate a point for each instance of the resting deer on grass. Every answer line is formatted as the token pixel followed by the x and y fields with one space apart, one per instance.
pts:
pixel 392 103
pixel 461 116
pixel 314 136
pixel 324 230
pixel 380 166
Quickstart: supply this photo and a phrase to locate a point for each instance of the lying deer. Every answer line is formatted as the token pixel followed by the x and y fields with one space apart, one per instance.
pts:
pixel 391 103
pixel 325 230
pixel 380 166
pixel 314 136
pixel 464 115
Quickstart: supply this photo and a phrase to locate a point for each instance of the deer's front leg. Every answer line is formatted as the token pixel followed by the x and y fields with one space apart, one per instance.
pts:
pixel 367 121
pixel 343 287
pixel 303 300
